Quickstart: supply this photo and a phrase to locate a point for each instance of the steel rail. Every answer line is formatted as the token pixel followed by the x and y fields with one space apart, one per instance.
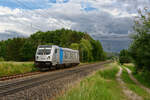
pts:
pixel 12 88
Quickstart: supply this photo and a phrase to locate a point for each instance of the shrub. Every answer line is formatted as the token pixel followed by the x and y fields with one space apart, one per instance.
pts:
pixel 2 59
pixel 124 57
pixel 140 48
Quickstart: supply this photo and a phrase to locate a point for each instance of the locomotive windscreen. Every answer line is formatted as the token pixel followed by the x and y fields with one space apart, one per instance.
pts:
pixel 44 51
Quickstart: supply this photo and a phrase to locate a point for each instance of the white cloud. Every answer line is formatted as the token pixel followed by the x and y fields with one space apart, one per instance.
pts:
pixel 8 11
pixel 29 21
pixel 102 21
pixel 119 13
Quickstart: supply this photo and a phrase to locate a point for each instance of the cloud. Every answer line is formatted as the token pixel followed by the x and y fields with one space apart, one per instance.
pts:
pixel 102 19
pixel 59 1
pixel 87 6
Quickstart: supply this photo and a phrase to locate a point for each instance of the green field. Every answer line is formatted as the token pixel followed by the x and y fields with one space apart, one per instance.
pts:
pixel 104 86
pixel 101 86
pixel 132 86
pixel 142 77
pixel 12 68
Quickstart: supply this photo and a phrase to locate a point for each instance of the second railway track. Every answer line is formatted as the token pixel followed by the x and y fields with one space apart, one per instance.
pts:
pixel 10 88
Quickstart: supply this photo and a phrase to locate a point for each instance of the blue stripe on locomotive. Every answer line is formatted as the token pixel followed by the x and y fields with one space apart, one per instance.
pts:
pixel 61 56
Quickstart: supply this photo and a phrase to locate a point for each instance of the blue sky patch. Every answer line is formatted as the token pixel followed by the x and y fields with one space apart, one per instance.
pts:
pixel 8 3
pixel 86 6
pixel 24 4
pixel 65 1
pixel 38 4
pixel 58 1
pixel 52 1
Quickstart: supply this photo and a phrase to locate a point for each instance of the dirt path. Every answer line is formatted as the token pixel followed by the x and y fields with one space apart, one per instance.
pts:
pixel 138 83
pixel 130 94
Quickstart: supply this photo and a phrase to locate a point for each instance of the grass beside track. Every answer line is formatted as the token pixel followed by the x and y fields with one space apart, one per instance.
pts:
pixel 133 87
pixel 12 68
pixel 142 77
pixel 100 86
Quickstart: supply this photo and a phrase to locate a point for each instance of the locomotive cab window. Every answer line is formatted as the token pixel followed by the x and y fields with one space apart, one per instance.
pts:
pixel 47 51
pixel 44 51
pixel 55 50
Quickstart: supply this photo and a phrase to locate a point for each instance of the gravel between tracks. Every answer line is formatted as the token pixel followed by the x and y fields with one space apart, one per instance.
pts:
pixel 50 89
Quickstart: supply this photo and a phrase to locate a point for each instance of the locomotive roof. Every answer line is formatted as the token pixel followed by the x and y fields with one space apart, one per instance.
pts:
pixel 45 46
pixel 50 46
pixel 68 49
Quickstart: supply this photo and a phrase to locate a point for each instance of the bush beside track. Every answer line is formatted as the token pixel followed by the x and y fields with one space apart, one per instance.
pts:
pixel 133 86
pixel 13 68
pixel 142 77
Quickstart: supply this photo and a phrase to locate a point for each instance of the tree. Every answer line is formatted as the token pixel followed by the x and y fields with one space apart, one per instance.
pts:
pixel 3 49
pixel 13 49
pixel 74 46
pixel 140 48
pixel 97 51
pixel 23 49
pixel 27 52
pixel 86 51
pixel 124 57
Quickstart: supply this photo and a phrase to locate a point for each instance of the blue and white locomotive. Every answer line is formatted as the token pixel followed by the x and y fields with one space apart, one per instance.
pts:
pixel 48 56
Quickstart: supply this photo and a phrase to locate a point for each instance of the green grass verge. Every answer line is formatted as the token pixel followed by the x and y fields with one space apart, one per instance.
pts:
pixel 130 66
pixel 142 77
pixel 132 86
pixel 11 68
pixel 100 86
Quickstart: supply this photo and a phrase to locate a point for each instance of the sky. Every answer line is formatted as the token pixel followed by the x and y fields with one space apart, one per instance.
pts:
pixel 109 21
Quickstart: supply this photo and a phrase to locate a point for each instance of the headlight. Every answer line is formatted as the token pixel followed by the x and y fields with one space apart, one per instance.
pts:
pixel 48 57
pixel 37 57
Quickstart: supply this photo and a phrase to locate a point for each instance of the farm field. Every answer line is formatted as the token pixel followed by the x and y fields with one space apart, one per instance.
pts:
pixel 105 85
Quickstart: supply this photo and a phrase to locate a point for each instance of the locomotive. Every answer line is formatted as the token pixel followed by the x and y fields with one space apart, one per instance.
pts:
pixel 52 56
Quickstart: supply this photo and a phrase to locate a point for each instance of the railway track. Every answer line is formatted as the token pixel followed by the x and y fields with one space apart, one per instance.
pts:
pixel 10 88
pixel 4 78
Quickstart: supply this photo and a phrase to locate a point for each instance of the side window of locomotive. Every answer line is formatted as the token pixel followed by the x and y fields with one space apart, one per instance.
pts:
pixel 76 55
pixel 70 55
pixel 55 51
pixel 65 55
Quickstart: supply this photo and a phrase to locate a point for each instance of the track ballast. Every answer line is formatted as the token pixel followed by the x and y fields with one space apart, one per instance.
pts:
pixel 11 88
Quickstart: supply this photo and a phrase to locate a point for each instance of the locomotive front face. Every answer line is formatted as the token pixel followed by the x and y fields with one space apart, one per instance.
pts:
pixel 43 54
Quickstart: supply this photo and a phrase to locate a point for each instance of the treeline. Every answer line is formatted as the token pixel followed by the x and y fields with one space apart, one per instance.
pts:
pixel 23 49
pixel 139 50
